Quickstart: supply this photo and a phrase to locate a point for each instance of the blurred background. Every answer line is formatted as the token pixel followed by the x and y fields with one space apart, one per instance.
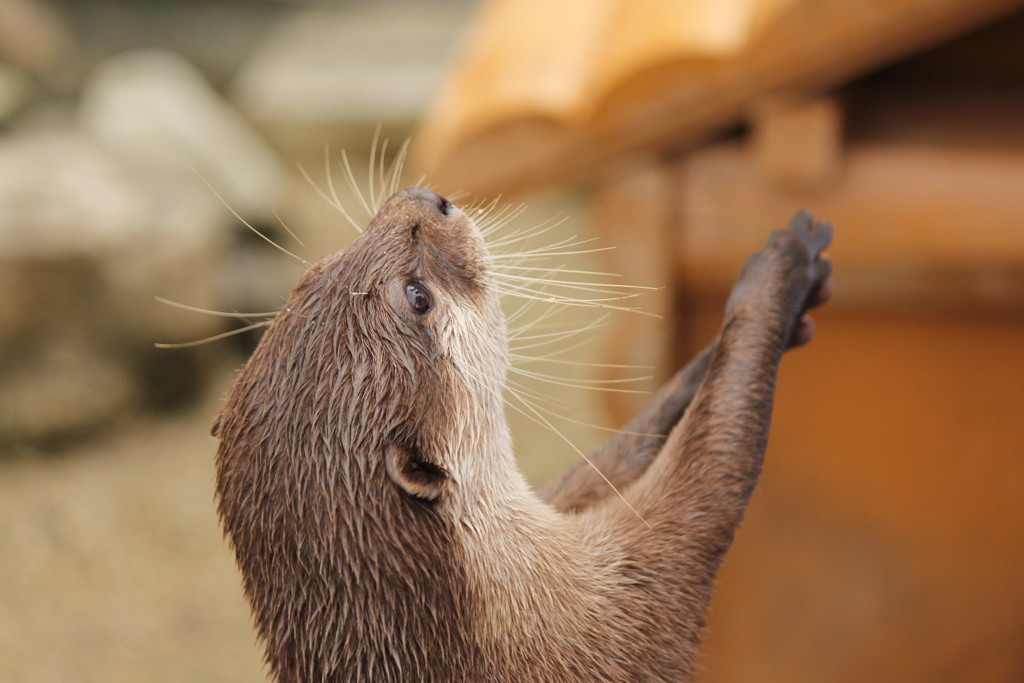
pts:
pixel 885 541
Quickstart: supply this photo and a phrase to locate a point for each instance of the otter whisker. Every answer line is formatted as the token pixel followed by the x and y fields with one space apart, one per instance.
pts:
pixel 496 225
pixel 371 168
pixel 584 364
pixel 222 335
pixel 382 191
pixel 540 254
pixel 520 333
pixel 520 235
pixel 616 292
pixel 527 334
pixel 557 352
pixel 535 398
pixel 556 297
pixel 489 224
pixel 489 211
pixel 480 210
pixel 575 302
pixel 526 236
pixel 397 166
pixel 575 284
pixel 551 289
pixel 350 179
pixel 421 181
pixel 246 223
pixel 336 204
pixel 330 180
pixel 571 240
pixel 526 293
pixel 550 338
pixel 512 320
pixel 288 230
pixel 583 384
pixel 223 314
pixel 540 419
pixel 558 269
pixel 475 207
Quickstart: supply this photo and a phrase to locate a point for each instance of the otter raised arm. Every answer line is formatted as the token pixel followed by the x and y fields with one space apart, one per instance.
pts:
pixel 367 484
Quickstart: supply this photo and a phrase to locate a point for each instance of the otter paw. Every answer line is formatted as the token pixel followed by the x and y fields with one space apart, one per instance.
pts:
pixel 792 272
pixel 809 239
pixel 813 238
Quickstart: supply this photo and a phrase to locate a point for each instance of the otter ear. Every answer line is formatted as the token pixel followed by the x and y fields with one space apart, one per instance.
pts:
pixel 413 474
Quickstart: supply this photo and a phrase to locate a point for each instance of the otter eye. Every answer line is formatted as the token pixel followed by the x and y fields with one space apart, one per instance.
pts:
pixel 418 296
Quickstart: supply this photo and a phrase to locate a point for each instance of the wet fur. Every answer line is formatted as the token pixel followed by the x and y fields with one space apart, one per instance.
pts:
pixel 366 480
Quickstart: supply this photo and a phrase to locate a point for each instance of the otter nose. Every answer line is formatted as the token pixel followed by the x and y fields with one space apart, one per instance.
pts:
pixel 430 198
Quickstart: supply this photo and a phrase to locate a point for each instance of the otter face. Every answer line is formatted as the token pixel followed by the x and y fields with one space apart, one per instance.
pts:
pixel 422 265
pixel 392 350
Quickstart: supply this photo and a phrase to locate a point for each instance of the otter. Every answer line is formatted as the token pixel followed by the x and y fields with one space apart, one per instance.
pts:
pixel 367 485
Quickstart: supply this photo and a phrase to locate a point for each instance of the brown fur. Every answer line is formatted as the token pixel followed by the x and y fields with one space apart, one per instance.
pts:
pixel 366 481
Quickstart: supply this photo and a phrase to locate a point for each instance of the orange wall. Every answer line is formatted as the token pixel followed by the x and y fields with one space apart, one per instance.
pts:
pixel 886 539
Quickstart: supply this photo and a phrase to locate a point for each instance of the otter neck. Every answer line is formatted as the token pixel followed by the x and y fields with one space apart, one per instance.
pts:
pixel 345 574
pixel 535 577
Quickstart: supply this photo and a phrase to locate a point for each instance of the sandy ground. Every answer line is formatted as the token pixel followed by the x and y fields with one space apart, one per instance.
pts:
pixel 113 567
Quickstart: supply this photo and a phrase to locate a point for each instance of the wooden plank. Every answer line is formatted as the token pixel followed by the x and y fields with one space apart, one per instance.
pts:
pixel 809 47
pixel 916 226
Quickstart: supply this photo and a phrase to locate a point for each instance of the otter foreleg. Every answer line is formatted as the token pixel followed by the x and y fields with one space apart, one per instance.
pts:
pixel 694 494
pixel 625 457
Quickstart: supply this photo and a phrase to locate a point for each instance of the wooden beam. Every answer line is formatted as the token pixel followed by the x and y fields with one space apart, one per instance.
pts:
pixel 798 145
pixel 633 211
pixel 917 226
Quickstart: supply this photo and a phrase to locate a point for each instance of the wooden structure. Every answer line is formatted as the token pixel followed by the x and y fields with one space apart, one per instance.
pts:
pixel 886 540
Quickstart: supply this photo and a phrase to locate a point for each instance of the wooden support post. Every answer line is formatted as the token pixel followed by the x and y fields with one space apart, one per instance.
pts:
pixel 633 211
pixel 798 145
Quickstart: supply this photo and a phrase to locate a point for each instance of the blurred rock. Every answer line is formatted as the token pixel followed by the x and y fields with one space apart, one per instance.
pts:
pixel 35 38
pixel 332 70
pixel 158 110
pixel 86 243
pixel 17 91
pixel 61 393
pixel 104 211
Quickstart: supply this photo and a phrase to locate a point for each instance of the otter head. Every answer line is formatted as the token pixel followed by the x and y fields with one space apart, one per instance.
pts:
pixel 423 354
pixel 356 437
